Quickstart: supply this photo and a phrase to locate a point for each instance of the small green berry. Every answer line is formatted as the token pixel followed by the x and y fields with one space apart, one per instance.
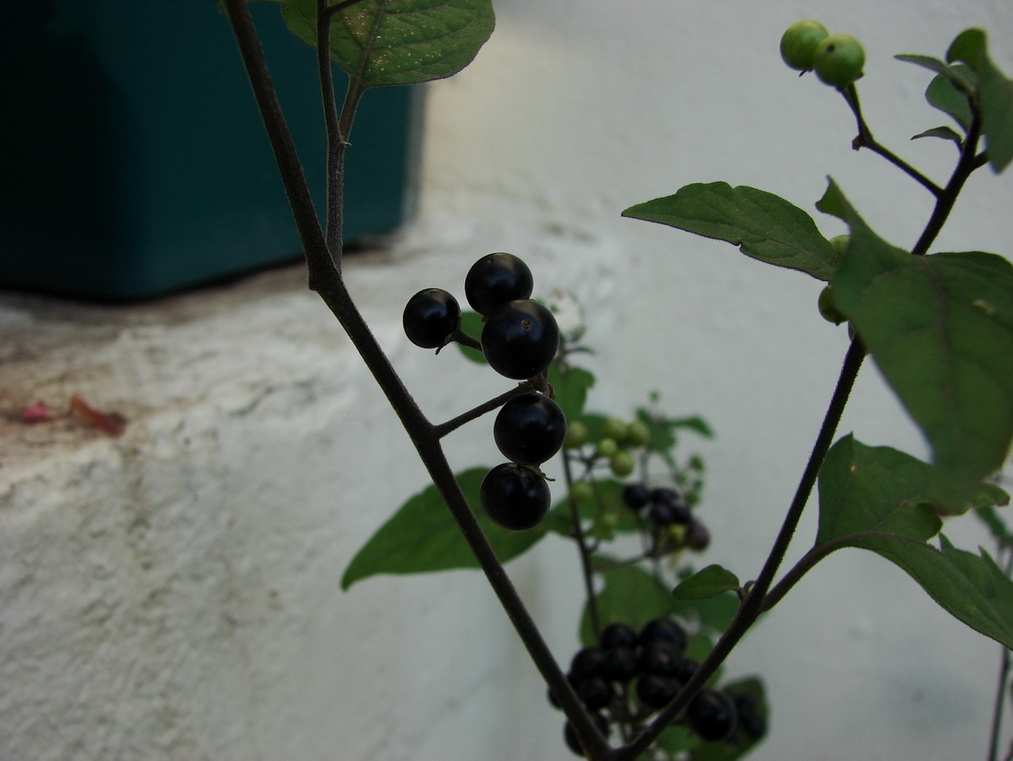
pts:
pixel 581 491
pixel 576 435
pixel 614 428
pixel 840 243
pixel 638 434
pixel 799 42
pixel 829 312
pixel 622 463
pixel 607 447
pixel 838 60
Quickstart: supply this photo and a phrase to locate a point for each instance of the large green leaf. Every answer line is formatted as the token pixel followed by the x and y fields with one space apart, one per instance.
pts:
pixel 971 587
pixel 422 536
pixel 944 95
pixel 398 42
pixel 763 225
pixel 708 582
pixel 940 328
pixel 571 385
pixel 995 93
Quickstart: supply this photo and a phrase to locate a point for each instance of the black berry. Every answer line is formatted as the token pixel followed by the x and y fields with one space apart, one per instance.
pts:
pixel 514 496
pixel 620 664
pixel 496 279
pixel 617 635
pixel 571 737
pixel 586 663
pixel 661 658
pixel 520 339
pixel 711 715
pixel 594 692
pixel 656 691
pixel 529 429
pixel 664 629
pixel 636 496
pixel 431 317
pixel 697 536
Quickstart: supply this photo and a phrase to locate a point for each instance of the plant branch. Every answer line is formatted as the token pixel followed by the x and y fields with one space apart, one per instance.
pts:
pixel 864 139
pixel 1004 669
pixel 585 552
pixel 752 604
pixel 453 424
pixel 336 139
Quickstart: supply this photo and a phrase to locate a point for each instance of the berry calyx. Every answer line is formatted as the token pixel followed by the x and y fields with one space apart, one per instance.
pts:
pixel 529 429
pixel 520 339
pixel 838 60
pixel 514 496
pixel 799 41
pixel 431 317
pixel 496 279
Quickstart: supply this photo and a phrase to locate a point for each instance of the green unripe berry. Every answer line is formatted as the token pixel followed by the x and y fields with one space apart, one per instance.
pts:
pixel 581 491
pixel 838 60
pixel 798 43
pixel 638 434
pixel 622 463
pixel 829 312
pixel 614 428
pixel 840 243
pixel 607 447
pixel 576 435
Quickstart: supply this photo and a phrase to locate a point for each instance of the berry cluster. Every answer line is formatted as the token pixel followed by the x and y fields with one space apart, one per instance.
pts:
pixel 653 662
pixel 837 59
pixel 520 339
pixel 665 507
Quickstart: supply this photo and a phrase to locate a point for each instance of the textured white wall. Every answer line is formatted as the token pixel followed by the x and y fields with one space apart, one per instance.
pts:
pixel 174 594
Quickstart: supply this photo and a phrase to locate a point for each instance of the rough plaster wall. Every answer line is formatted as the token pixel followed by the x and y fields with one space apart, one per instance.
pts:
pixel 172 594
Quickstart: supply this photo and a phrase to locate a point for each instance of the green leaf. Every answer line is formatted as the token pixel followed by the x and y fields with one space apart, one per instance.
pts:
pixel 942 94
pixel 763 225
pixel 971 587
pixel 571 386
pixel 471 323
pixel 422 537
pixel 706 583
pixel 630 595
pixel 864 489
pixel 608 500
pixel 398 42
pixel 952 74
pixel 946 133
pixel 996 115
pixel 996 525
pixel 969 47
pixel 712 614
pixel 940 329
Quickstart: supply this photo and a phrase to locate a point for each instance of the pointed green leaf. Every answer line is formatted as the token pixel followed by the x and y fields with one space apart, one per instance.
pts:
pixel 940 329
pixel 706 583
pixel 942 94
pixel 863 489
pixel 422 537
pixel 713 614
pixel 955 77
pixel 763 225
pixel 996 115
pixel 946 133
pixel 631 596
pixel 996 525
pixel 971 587
pixel 969 47
pixel 398 42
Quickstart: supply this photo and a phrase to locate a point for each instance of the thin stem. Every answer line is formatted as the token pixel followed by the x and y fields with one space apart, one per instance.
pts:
pixel 584 550
pixel 453 424
pixel 1000 695
pixel 336 139
pixel 864 139
pixel 752 604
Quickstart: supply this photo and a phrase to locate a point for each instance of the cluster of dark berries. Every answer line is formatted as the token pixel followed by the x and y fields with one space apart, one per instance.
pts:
pixel 652 660
pixel 520 339
pixel 665 507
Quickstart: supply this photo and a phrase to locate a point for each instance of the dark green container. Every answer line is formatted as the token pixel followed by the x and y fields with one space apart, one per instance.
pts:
pixel 133 161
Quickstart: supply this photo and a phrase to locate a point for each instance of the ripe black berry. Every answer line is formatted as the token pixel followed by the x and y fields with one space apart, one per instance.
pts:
pixel 617 635
pixel 664 629
pixel 571 737
pixel 656 691
pixel 661 658
pixel 520 339
pixel 594 692
pixel 496 279
pixel 430 317
pixel 711 715
pixel 587 662
pixel 636 496
pixel 529 429
pixel 620 664
pixel 696 536
pixel 514 496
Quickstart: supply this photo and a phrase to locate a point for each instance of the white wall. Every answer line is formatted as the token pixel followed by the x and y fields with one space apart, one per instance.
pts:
pixel 174 594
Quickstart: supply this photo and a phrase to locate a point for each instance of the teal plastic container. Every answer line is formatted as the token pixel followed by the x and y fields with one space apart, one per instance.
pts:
pixel 133 160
